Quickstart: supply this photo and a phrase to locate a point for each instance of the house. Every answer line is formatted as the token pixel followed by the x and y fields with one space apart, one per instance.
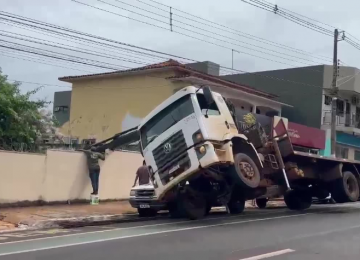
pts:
pixel 107 103
pixel 307 90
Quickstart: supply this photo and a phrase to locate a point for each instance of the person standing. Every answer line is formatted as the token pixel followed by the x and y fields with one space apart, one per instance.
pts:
pixel 92 158
pixel 142 174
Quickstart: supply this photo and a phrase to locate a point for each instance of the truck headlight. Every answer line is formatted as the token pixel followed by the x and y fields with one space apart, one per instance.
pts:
pixel 133 193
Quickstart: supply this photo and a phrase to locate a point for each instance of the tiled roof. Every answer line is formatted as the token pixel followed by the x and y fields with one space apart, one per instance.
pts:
pixel 165 64
pixel 180 67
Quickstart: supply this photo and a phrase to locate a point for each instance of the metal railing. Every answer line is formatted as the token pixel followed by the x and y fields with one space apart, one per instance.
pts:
pixel 346 120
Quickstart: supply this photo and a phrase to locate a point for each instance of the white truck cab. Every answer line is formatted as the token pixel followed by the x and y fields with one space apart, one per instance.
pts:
pixel 185 135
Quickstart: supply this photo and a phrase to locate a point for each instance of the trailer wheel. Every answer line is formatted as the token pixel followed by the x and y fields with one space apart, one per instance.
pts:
pixel 245 170
pixel 193 206
pixel 345 189
pixel 297 200
pixel 261 203
pixel 146 212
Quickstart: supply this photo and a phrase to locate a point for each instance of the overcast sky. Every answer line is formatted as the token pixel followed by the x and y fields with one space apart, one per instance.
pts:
pixel 232 13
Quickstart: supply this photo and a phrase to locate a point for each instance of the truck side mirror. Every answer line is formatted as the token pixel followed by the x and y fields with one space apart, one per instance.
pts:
pixel 208 96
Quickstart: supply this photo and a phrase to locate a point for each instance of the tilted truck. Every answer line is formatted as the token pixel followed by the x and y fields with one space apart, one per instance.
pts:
pixel 201 155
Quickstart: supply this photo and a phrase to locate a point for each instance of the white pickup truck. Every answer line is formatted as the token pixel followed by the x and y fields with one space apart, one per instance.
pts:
pixel 143 198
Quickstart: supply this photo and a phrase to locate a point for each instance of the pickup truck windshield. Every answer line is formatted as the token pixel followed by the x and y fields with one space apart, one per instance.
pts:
pixel 166 119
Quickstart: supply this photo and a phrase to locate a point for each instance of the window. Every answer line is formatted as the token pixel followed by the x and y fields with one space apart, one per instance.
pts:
pixel 339 107
pixel 357 155
pixel 165 119
pixel 342 152
pixel 213 110
pixel 88 141
pixel 61 108
pixel 327 100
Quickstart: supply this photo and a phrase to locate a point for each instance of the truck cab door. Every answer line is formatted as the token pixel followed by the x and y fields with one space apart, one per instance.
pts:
pixel 216 119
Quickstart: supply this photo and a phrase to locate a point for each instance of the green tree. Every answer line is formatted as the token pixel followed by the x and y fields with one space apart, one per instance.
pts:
pixel 20 117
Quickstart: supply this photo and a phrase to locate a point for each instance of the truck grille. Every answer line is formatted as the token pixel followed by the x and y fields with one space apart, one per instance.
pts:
pixel 145 193
pixel 178 146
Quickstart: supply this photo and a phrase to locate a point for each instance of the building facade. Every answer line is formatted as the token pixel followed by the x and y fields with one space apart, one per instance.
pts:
pixel 108 103
pixel 307 90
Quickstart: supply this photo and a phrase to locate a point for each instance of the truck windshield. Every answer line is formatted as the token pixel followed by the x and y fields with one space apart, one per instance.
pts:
pixel 166 119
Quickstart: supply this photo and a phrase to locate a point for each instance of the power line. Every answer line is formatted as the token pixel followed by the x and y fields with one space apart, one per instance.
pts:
pixel 224 36
pixel 275 9
pixel 45 63
pixel 37 83
pixel 208 36
pixel 2 13
pixel 60 58
pixel 222 67
pixel 234 31
pixel 184 34
pixel 303 16
pixel 82 40
pixel 84 51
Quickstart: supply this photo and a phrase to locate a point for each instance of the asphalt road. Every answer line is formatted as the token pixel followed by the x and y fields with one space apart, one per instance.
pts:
pixel 324 232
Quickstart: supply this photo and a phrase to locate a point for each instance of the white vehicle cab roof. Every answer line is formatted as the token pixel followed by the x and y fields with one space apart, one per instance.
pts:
pixel 170 100
pixel 143 187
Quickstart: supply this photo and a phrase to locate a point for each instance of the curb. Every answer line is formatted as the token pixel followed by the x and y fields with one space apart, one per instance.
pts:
pixel 94 220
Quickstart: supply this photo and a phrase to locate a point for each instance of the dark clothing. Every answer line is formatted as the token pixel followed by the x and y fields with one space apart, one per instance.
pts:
pixel 93 160
pixel 143 175
pixel 94 177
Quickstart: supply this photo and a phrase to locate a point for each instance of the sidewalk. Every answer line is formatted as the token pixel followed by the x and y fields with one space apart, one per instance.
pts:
pixel 12 219
pixel 64 215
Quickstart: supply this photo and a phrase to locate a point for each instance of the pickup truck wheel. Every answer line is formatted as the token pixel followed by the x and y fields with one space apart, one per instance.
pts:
pixel 236 206
pixel 261 203
pixel 245 170
pixel 297 200
pixel 146 212
pixel 345 189
pixel 193 206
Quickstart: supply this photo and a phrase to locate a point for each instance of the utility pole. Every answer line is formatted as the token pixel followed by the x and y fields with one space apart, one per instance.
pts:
pixel 334 93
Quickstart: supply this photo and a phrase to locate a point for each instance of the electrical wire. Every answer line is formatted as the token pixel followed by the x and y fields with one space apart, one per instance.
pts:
pixel 197 33
pixel 234 31
pixel 37 83
pixel 84 51
pixel 208 31
pixel 162 53
pixel 79 40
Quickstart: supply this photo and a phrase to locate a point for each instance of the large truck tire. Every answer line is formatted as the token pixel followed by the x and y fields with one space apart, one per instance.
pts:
pixel 146 212
pixel 345 189
pixel 175 210
pixel 236 205
pixel 297 200
pixel 261 203
pixel 245 172
pixel 193 206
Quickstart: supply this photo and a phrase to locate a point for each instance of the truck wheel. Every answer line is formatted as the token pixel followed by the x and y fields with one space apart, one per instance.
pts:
pixel 175 210
pixel 261 203
pixel 194 207
pixel 146 212
pixel 246 171
pixel 345 189
pixel 236 206
pixel 208 209
pixel 297 200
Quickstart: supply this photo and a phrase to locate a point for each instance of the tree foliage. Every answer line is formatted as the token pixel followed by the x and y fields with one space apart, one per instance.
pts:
pixel 21 119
